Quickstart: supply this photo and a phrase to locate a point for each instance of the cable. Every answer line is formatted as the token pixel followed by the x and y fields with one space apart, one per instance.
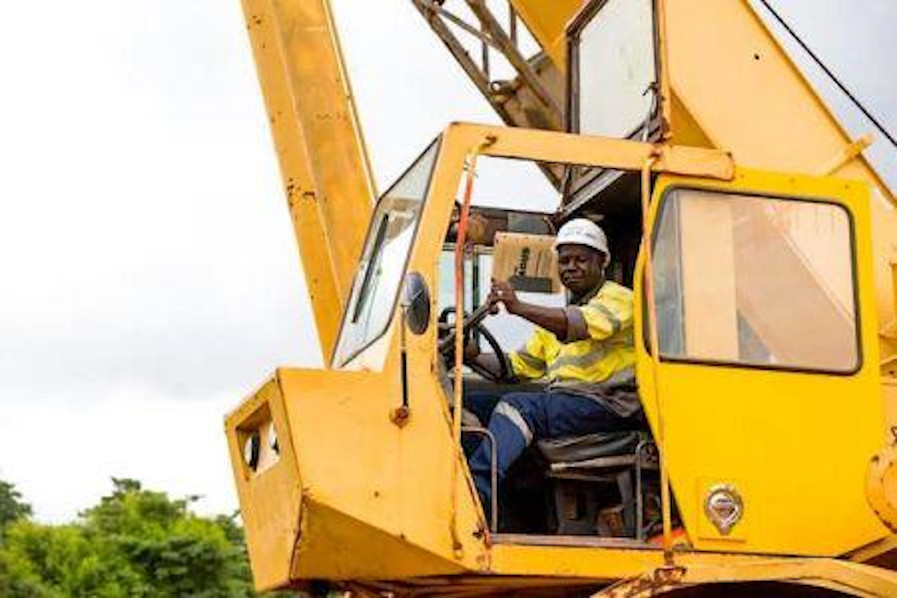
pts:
pixel 830 74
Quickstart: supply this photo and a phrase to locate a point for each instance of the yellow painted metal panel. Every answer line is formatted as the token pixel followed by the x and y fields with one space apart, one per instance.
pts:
pixel 842 577
pixel 272 500
pixel 639 566
pixel 355 461
pixel 319 144
pixel 336 546
pixel 548 22
pixel 747 95
pixel 605 563
pixel 374 498
pixel 619 154
pixel 795 444
pixel 685 129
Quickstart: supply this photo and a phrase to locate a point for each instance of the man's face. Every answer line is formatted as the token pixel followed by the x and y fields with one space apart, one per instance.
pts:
pixel 581 268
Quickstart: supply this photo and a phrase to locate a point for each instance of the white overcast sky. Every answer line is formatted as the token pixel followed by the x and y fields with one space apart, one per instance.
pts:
pixel 149 275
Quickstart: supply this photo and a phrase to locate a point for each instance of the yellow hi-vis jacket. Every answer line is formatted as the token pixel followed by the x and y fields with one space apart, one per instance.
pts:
pixel 596 356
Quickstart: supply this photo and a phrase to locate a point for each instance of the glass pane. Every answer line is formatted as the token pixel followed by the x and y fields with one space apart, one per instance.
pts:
pixel 616 66
pixel 755 280
pixel 667 285
pixel 383 263
pixel 512 184
pixel 447 281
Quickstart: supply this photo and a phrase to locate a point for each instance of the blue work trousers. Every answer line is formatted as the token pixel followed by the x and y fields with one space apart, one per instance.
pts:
pixel 518 418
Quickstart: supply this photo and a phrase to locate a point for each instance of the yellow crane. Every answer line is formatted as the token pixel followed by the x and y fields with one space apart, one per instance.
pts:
pixel 761 247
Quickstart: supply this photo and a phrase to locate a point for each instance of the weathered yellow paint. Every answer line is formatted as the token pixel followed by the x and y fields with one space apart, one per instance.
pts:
pixel 619 154
pixel 839 576
pixel 272 501
pixel 791 442
pixel 319 145
pixel 352 496
pixel 881 485
pixel 748 96
pixel 636 568
pixel 548 22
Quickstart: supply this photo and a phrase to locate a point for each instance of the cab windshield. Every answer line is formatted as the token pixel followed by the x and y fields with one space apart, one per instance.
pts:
pixel 385 257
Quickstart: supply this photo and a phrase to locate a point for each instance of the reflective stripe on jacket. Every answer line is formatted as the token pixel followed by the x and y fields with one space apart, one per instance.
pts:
pixel 598 348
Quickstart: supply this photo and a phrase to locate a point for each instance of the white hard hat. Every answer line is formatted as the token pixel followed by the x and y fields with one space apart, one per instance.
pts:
pixel 582 231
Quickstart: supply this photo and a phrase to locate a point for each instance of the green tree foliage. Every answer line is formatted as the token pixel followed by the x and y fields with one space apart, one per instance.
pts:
pixel 11 506
pixel 134 543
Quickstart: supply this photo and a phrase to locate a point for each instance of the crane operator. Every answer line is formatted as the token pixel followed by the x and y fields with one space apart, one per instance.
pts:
pixel 583 350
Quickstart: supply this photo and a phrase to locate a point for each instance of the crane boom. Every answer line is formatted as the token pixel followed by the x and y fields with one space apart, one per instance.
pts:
pixel 319 144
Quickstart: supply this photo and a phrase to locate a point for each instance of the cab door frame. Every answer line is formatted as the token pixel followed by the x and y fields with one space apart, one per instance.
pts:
pixel 427 398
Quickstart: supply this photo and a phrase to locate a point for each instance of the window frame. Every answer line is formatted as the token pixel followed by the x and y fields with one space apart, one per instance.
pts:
pixel 854 273
pixel 351 303
pixel 574 33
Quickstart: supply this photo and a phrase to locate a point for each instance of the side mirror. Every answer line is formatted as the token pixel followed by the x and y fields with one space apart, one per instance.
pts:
pixel 416 303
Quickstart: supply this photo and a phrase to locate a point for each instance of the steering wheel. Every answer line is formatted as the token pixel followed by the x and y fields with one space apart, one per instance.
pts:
pixel 473 324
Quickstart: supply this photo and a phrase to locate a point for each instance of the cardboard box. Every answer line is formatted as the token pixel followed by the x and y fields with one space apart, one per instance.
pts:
pixel 529 262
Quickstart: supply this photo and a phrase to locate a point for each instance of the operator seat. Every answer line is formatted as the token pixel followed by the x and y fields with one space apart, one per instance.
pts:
pixel 583 469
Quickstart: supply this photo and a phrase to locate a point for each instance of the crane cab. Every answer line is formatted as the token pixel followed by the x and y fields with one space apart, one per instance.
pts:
pixel 766 354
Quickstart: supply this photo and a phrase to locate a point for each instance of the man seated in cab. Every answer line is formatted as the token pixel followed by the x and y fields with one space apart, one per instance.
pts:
pixel 583 351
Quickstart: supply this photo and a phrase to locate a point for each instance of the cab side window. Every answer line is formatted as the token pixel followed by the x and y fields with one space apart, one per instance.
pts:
pixel 754 280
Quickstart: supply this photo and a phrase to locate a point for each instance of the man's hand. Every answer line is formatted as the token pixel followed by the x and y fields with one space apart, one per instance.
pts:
pixel 471 350
pixel 552 319
pixel 503 292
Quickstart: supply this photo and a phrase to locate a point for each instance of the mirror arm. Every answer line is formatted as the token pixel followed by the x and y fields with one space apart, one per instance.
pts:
pixel 400 415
